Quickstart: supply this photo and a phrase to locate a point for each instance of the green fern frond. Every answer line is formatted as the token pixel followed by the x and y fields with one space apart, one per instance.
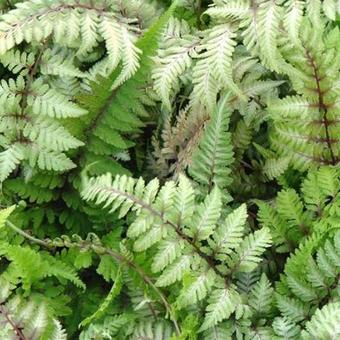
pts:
pixel 301 124
pixel 310 279
pixel 213 70
pixel 292 309
pixel 173 58
pixel 39 20
pixel 324 323
pixel 113 111
pixel 293 217
pixel 285 329
pixel 228 236
pixel 222 303
pixel 165 226
pixel 248 255
pixel 9 160
pixel 211 161
pixel 261 296
pixel 28 320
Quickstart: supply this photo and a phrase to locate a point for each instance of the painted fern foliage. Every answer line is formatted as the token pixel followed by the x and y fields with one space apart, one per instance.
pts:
pixel 169 169
pixel 306 125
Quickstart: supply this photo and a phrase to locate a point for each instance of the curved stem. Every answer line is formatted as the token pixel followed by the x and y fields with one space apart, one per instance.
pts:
pixel 103 251
pixel 27 236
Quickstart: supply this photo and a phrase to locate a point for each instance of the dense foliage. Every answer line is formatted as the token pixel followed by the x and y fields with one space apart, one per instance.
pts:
pixel 169 169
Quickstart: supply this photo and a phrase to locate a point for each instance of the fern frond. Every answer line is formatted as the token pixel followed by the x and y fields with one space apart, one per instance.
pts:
pixel 18 62
pixel 228 236
pixel 168 251
pixel 269 217
pixel 10 159
pixel 210 163
pixel 293 18
pixel 219 332
pixel 222 303
pixel 206 217
pixel 47 132
pixel 231 9
pixel 115 111
pixel 59 62
pixel 196 288
pixel 206 86
pixel 324 323
pixel 248 254
pixel 36 21
pixel 285 329
pixel 292 309
pixel 269 19
pixel 27 319
pixel 164 224
pixel 273 168
pixel 261 296
pixel 290 206
pixel 173 59
pixel 301 128
pixel 175 271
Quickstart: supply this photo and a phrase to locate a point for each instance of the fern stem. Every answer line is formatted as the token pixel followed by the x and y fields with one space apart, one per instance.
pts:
pixel 23 102
pixel 322 105
pixel 50 244
pixel 27 236
pixel 17 330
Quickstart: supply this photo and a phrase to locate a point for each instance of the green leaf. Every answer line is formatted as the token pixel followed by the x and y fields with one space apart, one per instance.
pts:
pixel 184 203
pixel 222 303
pixel 261 296
pixel 211 161
pixel 107 268
pixel 9 160
pixel 248 255
pixel 114 292
pixel 174 272
pixel 324 324
pixel 228 235
pixel 286 329
pixel 206 216
pixel 197 288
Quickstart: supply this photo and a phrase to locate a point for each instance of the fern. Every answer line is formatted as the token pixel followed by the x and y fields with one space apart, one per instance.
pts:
pixel 49 147
pixel 328 317
pixel 38 20
pixel 317 285
pixel 28 320
pixel 113 112
pixel 210 54
pixel 291 219
pixel 169 174
pixel 20 317
pixel 173 59
pixel 209 163
pixel 305 125
pixel 164 215
pixel 178 143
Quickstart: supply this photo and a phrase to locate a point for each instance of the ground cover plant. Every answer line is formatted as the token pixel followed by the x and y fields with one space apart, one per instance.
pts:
pixel 169 169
